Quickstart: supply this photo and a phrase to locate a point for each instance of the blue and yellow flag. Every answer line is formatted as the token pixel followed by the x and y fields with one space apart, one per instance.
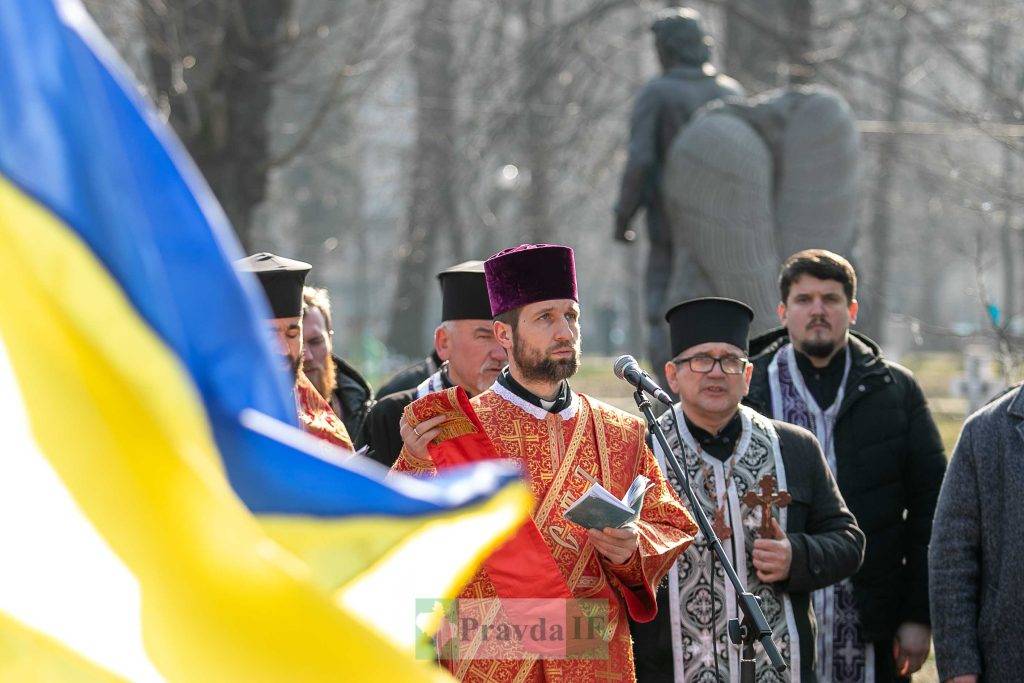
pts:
pixel 161 513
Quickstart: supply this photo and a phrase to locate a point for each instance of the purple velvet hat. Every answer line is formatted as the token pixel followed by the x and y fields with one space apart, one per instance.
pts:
pixel 529 273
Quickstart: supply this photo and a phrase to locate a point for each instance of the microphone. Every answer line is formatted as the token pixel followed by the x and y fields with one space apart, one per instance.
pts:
pixel 628 369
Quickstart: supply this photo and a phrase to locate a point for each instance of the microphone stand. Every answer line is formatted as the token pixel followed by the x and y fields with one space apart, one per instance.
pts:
pixel 754 626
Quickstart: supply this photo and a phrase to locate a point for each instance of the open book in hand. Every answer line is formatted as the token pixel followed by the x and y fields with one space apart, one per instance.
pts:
pixel 599 509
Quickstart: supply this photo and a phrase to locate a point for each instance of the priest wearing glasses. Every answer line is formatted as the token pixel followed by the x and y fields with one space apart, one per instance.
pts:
pixel 773 502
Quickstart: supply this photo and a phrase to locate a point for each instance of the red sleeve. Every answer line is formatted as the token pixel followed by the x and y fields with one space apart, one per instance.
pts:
pixel 665 529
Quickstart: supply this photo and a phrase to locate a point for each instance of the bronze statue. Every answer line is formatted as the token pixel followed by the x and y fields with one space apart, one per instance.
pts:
pixel 731 185
pixel 663 107
pixel 750 182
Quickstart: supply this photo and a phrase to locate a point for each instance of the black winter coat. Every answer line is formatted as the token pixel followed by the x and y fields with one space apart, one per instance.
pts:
pixel 410 376
pixel 890 464
pixel 380 433
pixel 405 379
pixel 354 394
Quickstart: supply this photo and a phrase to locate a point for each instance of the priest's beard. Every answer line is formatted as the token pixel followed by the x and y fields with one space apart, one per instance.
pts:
pixel 818 348
pixel 541 367
pixel 323 377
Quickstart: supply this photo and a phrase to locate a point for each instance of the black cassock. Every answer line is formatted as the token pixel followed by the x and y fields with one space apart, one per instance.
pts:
pixel 381 434
pixel 411 376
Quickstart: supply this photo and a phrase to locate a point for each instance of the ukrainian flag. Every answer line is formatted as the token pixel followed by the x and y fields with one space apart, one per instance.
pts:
pixel 162 516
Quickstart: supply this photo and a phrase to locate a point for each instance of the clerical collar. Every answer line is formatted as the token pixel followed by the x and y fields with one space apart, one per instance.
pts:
pixel 561 402
pixel 438 381
pixel 722 444
pixel 823 383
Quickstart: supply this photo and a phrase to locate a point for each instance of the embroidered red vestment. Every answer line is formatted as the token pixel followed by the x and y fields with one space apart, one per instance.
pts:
pixel 561 454
pixel 316 416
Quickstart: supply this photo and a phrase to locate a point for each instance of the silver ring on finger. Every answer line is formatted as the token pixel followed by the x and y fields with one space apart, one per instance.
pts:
pixel 416 432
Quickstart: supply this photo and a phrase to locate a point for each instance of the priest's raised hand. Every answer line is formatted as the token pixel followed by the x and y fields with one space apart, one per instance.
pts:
pixel 773 556
pixel 416 439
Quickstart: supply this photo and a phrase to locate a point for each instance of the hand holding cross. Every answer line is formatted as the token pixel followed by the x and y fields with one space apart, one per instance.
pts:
pixel 768 499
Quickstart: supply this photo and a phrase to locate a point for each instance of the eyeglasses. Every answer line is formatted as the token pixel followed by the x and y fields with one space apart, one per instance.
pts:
pixel 731 365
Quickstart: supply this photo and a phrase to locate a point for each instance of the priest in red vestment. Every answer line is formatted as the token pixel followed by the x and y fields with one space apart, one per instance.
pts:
pixel 282 280
pixel 566 442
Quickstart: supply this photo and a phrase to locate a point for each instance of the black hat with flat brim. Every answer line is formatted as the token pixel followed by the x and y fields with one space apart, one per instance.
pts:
pixel 709 319
pixel 282 279
pixel 464 292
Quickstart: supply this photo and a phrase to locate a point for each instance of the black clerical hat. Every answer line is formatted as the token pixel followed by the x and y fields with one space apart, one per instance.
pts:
pixel 464 292
pixel 709 319
pixel 282 280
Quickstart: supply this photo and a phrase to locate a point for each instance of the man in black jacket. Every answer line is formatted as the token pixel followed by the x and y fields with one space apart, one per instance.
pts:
pixel 337 381
pixel 885 451
pixel 733 453
pixel 411 375
pixel 471 358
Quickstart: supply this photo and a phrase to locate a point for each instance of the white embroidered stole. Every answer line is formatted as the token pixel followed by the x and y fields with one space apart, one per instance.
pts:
pixel 756 454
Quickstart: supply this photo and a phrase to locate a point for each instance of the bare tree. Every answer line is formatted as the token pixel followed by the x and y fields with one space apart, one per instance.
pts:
pixel 753 56
pixel 218 65
pixel 800 20
pixel 537 71
pixel 520 140
pixel 1001 78
pixel 211 62
pixel 432 205
pixel 881 227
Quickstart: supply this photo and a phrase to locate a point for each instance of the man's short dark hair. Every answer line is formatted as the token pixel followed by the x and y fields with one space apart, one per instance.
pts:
pixel 819 263
pixel 510 317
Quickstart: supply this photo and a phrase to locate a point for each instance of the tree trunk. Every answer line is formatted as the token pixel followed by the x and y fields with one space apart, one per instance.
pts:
pixel 1000 81
pixel 800 18
pixel 1008 240
pixel 634 256
pixel 362 308
pixel 537 72
pixel 432 209
pixel 928 252
pixel 211 62
pixel 752 57
pixel 877 282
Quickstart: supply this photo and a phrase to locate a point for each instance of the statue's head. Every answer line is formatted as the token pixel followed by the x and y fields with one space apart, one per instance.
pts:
pixel 680 39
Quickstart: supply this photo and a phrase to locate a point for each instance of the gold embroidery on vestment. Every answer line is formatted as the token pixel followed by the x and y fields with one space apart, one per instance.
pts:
pixel 542 512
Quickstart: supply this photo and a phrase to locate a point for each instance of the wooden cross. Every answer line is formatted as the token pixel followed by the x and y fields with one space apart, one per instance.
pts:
pixel 766 501
pixel 722 530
